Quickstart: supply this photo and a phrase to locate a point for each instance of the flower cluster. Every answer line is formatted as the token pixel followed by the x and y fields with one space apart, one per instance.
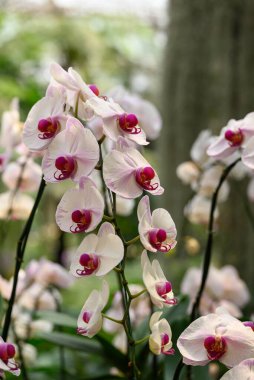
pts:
pixel 94 140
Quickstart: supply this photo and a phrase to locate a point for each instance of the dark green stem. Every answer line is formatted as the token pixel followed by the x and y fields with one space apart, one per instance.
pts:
pixel 21 246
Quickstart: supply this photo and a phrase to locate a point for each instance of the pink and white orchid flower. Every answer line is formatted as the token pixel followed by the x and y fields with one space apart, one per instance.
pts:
pixel 80 209
pixel 157 230
pixel 90 318
pixel 232 137
pixel 24 173
pixel 127 173
pixel 159 288
pixel 116 122
pixel 160 339
pixel 216 336
pixel 77 91
pixel 244 370
pixel 15 206
pixel 7 362
pixel 98 254
pixel 73 153
pixel 45 120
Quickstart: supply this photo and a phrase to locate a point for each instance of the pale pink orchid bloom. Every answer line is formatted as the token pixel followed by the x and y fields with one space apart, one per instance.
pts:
pixel 7 362
pixel 127 173
pixel 11 127
pixel 77 91
pixel 198 152
pixel 157 230
pixel 4 158
pixel 160 339
pixel 188 172
pixel 209 181
pixel 45 120
pixel 197 210
pixel 47 273
pixel 159 288
pixel 147 114
pixel 98 254
pixel 38 297
pixel 248 154
pixel 73 153
pixel 233 137
pixel 80 209
pixel 90 318
pixel 116 122
pixel 244 370
pixel 217 336
pixel 30 178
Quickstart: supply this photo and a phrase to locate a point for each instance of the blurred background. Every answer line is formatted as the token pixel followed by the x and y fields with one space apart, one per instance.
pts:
pixel 193 59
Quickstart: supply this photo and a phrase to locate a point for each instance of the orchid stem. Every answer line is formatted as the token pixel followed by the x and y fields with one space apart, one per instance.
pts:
pixel 120 321
pixel 207 256
pixel 21 246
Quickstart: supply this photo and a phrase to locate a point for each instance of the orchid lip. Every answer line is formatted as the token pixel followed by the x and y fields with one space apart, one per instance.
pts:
pixel 144 176
pixel 90 263
pixel 235 138
pixel 82 218
pixel 156 237
pixel 128 122
pixel 67 167
pixel 48 128
pixel 216 346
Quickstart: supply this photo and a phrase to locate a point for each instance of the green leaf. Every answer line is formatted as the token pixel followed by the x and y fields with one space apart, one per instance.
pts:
pixel 59 319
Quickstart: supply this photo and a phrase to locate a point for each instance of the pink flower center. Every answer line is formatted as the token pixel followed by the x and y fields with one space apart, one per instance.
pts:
pixel 48 128
pixel 90 262
pixel 164 342
pixel 156 238
pixel 66 165
pixel 94 88
pixel 83 219
pixel 144 177
pixel 163 289
pixel 87 316
pixel 235 138
pixel 7 351
pixel 216 346
pixel 249 324
pixel 128 122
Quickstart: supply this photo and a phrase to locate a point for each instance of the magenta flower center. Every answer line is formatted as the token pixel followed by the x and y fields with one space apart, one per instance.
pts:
pixel 157 237
pixel 164 342
pixel 87 316
pixel 7 351
pixel 66 165
pixel 48 128
pixel 94 88
pixel 83 220
pixel 235 138
pixel 128 122
pixel 90 262
pixel 144 177
pixel 249 324
pixel 164 289
pixel 215 346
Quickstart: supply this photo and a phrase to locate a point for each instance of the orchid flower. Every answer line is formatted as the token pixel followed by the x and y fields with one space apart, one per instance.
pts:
pixel 157 230
pixel 244 370
pixel 45 120
pixel 73 153
pixel 90 318
pixel 217 336
pixel 7 362
pixel 159 288
pixel 16 207
pixel 232 137
pixel 116 122
pixel 160 338
pixel 127 173
pixel 77 91
pixel 98 254
pixel 80 209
